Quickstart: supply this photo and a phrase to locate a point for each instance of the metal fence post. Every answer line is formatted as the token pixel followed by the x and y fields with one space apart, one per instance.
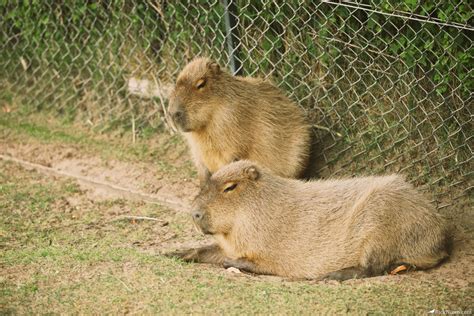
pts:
pixel 232 37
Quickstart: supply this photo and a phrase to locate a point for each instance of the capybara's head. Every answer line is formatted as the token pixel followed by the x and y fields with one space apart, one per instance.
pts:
pixel 225 196
pixel 196 94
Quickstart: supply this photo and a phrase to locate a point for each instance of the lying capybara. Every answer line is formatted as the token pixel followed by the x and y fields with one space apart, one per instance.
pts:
pixel 336 229
pixel 227 118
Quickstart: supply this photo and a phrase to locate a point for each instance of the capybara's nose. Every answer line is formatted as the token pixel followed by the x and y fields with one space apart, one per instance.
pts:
pixel 197 215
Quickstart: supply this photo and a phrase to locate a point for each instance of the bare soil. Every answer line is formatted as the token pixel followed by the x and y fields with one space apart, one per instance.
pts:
pixel 134 177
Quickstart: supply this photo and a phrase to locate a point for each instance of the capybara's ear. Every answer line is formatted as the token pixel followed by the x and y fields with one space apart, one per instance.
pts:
pixel 251 173
pixel 214 67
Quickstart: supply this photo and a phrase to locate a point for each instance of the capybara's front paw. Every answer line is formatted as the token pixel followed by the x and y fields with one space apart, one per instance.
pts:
pixel 241 264
pixel 228 263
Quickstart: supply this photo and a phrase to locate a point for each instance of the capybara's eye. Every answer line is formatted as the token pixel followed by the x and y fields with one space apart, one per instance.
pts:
pixel 230 187
pixel 200 83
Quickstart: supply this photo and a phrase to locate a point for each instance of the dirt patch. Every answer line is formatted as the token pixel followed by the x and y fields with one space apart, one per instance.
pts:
pixel 99 177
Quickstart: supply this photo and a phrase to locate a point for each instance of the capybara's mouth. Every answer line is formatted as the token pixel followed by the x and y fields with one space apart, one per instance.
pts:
pixel 181 123
pixel 207 232
pixel 202 229
pixel 182 126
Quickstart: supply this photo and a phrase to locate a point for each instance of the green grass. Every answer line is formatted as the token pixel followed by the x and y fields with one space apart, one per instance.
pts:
pixel 62 257
pixel 43 133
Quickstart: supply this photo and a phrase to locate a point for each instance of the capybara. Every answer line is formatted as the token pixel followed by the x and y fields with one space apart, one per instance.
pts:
pixel 227 118
pixel 336 229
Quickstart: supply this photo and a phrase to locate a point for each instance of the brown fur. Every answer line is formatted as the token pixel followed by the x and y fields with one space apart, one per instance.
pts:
pixel 227 118
pixel 336 229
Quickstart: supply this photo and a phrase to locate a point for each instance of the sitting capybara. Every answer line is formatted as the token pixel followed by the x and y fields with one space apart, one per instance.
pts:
pixel 227 118
pixel 336 229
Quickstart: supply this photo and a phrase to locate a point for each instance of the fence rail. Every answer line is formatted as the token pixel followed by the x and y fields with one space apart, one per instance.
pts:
pixel 388 84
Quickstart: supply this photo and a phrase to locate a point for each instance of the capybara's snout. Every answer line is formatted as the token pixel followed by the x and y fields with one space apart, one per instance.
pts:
pixel 178 114
pixel 201 219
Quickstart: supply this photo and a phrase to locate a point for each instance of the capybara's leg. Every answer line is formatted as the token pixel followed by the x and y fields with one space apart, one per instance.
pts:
pixel 377 257
pixel 427 261
pixel 379 263
pixel 346 274
pixel 207 254
pixel 430 254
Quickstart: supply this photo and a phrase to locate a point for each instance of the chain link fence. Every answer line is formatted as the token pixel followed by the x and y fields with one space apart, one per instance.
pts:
pixel 388 84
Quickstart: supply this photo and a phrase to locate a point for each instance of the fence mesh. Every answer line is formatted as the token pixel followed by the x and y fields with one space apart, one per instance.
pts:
pixel 388 84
